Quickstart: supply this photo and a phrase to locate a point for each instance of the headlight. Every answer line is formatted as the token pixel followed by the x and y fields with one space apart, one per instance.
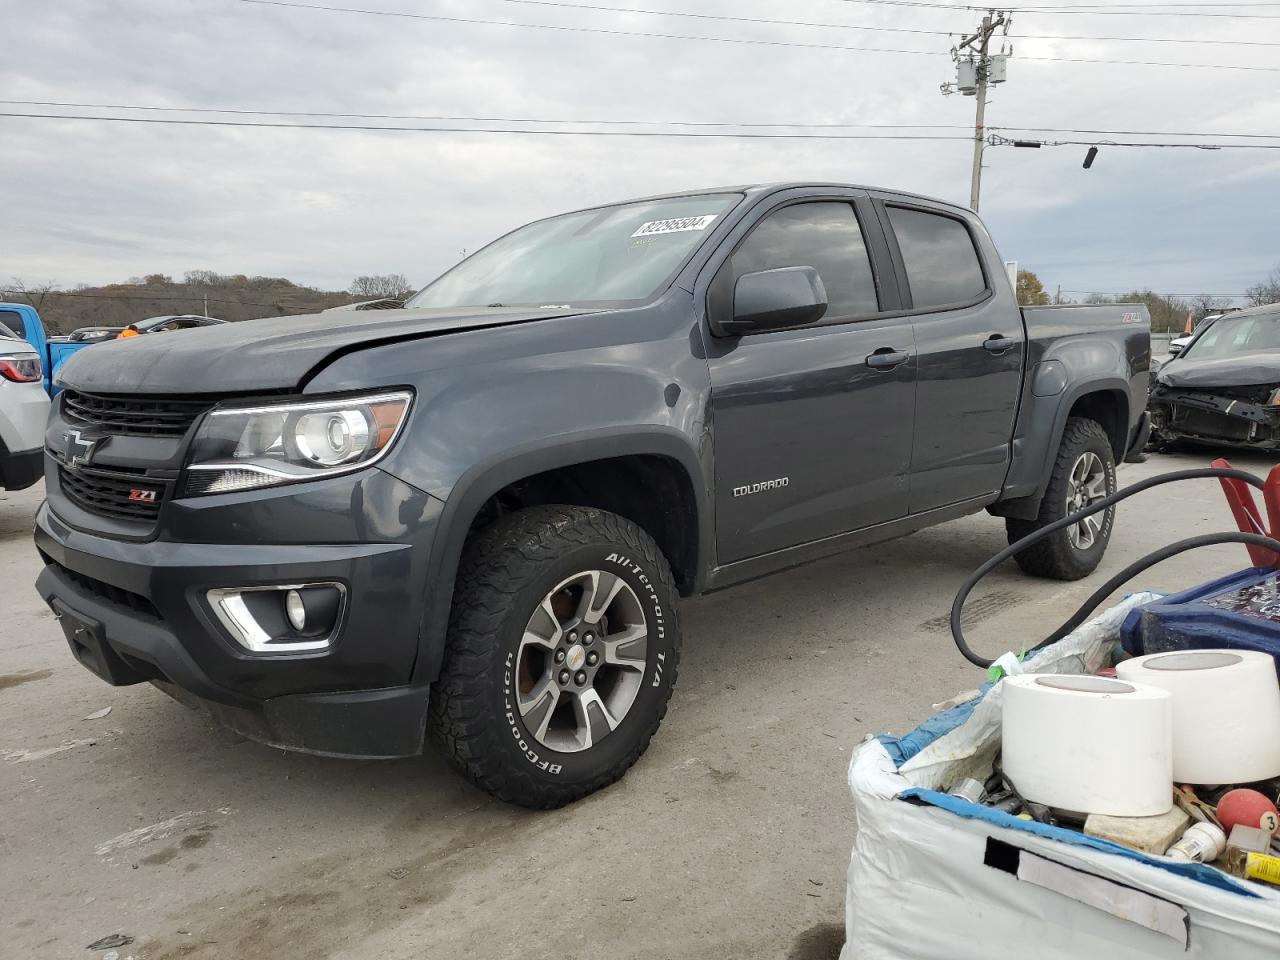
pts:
pixel 242 448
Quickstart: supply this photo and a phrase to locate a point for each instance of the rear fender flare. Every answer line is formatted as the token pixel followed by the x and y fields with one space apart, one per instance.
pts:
pixel 1047 419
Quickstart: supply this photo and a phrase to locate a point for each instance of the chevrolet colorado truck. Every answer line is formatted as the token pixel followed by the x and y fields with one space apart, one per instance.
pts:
pixel 472 519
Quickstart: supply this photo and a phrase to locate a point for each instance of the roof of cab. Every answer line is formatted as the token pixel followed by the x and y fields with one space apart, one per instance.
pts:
pixel 760 189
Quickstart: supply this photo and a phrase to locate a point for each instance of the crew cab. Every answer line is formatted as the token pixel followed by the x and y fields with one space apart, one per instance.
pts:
pixel 23 320
pixel 472 518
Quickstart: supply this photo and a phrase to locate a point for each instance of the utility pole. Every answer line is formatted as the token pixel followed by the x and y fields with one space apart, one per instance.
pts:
pixel 973 74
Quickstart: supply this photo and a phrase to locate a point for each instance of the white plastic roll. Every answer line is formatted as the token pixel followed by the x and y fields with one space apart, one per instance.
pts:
pixel 1226 712
pixel 1089 744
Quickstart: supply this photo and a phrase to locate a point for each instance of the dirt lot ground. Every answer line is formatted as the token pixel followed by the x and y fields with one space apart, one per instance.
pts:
pixel 730 838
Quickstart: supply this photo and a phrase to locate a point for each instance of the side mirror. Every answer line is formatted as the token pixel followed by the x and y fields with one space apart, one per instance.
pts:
pixel 1175 349
pixel 775 300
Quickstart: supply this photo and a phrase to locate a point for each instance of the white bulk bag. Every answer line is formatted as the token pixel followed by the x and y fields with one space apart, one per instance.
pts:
pixel 934 876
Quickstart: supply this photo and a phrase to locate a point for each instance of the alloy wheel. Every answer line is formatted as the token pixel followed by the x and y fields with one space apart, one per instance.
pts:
pixel 1087 485
pixel 581 661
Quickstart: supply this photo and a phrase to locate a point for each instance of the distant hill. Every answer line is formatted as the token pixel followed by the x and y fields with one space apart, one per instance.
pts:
pixel 229 297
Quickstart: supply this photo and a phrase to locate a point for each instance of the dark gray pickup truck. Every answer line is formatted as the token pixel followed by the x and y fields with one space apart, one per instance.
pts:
pixel 474 516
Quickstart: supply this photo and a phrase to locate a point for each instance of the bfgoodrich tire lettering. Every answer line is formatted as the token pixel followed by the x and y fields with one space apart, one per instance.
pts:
pixel 516 576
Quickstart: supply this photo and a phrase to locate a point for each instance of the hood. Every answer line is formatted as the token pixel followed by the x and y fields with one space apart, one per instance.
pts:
pixel 277 353
pixel 1239 370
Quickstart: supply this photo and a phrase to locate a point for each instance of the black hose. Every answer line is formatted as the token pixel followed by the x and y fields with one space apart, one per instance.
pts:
pixel 1150 560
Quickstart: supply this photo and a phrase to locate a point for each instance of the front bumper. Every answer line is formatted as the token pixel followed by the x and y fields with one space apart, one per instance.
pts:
pixel 1179 413
pixel 137 611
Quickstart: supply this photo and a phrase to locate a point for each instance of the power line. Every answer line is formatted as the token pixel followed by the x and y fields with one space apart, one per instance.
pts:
pixel 560 4
pixel 996 140
pixel 394 116
pixel 1137 10
pixel 1197 41
pixel 564 28
pixel 1154 63
pixel 1140 133
pixel 505 130
pixel 579 120
pixel 739 40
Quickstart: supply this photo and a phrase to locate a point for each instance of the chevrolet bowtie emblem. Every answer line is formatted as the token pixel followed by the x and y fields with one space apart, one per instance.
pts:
pixel 80 448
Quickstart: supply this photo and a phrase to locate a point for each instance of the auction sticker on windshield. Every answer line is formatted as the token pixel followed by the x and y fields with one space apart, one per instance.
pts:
pixel 678 225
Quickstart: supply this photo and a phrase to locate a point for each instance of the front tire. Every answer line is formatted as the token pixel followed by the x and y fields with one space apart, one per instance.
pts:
pixel 562 652
pixel 1084 472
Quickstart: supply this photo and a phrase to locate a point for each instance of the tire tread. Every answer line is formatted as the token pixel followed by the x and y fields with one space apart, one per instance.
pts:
pixel 496 564
pixel 1053 557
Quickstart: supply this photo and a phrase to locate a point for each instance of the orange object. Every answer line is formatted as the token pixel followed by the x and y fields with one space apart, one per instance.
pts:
pixel 1248 808
pixel 126 332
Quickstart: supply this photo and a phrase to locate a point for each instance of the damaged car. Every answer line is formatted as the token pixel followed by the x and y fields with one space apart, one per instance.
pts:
pixel 1224 386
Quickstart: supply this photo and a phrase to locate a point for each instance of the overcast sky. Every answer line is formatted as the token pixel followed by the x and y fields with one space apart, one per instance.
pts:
pixel 96 202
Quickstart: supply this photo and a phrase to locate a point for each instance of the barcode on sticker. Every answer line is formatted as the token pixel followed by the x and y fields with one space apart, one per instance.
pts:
pixel 1262 866
pixel 678 225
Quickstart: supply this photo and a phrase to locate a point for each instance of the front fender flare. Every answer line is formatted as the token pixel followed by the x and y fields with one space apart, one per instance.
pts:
pixel 483 480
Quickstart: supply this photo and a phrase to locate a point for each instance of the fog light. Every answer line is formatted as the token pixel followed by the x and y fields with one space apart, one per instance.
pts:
pixel 288 618
pixel 295 610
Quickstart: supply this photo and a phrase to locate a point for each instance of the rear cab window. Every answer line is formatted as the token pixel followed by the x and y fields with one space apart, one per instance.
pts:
pixel 824 235
pixel 942 263
pixel 12 320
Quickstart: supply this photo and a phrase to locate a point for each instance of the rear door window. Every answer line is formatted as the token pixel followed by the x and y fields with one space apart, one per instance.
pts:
pixel 943 269
pixel 823 235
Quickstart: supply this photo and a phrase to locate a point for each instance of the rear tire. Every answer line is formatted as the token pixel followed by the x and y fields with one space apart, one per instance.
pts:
pixel 562 652
pixel 1084 471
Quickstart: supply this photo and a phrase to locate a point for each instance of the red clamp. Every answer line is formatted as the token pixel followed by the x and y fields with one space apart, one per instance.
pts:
pixel 1245 510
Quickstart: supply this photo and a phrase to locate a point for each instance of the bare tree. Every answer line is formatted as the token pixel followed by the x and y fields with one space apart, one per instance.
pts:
pixel 201 278
pixel 390 285
pixel 1203 304
pixel 36 293
pixel 1268 291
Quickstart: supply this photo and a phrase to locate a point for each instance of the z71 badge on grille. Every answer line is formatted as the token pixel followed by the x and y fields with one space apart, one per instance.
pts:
pixel 143 496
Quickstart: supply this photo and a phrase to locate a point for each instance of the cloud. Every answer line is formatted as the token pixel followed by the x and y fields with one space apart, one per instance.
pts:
pixel 98 202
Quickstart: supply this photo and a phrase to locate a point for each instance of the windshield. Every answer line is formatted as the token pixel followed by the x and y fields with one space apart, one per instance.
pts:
pixel 1231 335
pixel 607 256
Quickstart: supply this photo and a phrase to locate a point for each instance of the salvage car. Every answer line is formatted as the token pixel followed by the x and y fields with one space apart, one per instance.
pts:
pixel 1178 344
pixel 1223 387
pixel 168 323
pixel 472 519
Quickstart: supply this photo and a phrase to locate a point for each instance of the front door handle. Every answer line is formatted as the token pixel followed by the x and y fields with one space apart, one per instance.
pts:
pixel 998 343
pixel 886 358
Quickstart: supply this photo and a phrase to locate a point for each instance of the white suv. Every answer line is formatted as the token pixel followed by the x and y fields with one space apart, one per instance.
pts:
pixel 24 410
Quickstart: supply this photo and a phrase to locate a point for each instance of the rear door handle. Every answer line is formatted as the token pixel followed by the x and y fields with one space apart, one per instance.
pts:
pixel 998 343
pixel 886 358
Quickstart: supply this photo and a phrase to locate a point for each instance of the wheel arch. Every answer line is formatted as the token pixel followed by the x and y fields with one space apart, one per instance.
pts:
pixel 1105 401
pixel 671 503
